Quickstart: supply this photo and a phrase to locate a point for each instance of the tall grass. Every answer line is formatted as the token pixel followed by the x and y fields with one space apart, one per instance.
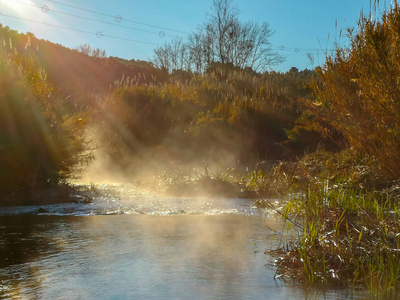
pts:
pixel 225 114
pixel 41 144
pixel 347 234
pixel 348 208
pixel 348 238
pixel 357 94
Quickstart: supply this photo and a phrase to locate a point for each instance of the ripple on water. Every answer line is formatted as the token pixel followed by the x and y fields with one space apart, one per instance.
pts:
pixel 125 199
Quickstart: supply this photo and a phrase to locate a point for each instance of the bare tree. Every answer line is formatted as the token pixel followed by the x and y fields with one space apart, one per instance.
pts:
pixel 223 28
pixel 200 52
pixel 172 56
pixel 94 52
pixel 221 38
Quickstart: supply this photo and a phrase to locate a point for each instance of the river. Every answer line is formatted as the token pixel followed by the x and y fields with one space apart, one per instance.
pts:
pixel 127 245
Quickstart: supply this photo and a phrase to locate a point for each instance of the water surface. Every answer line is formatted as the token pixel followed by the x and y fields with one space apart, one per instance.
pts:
pixel 143 248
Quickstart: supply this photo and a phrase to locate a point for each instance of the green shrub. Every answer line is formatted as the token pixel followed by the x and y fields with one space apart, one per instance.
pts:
pixel 40 144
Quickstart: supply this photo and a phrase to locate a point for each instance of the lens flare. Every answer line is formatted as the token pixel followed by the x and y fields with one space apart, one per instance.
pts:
pixel 19 8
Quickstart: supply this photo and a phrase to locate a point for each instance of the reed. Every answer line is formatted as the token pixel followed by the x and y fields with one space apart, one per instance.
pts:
pixel 42 145
pixel 347 237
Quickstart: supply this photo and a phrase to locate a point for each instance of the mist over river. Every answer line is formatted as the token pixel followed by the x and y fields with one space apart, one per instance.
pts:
pixel 127 245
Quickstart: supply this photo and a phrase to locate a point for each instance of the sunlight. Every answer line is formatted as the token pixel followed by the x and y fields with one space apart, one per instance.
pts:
pixel 37 17
pixel 28 10
pixel 17 6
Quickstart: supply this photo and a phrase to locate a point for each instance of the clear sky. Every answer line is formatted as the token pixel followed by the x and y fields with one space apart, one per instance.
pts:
pixel 131 29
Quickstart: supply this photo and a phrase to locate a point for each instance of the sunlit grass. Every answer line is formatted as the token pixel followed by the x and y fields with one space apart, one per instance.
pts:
pixel 342 234
pixel 41 145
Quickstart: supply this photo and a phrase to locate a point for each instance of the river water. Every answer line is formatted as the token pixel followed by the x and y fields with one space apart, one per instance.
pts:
pixel 127 245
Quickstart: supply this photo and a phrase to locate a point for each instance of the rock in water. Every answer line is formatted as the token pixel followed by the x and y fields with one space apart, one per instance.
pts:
pixel 42 211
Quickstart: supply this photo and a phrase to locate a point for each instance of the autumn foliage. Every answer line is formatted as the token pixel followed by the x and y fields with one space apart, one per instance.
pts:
pixel 41 144
pixel 357 94
pixel 226 115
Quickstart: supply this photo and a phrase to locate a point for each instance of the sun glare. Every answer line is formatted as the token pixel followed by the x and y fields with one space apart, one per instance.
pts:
pixel 14 4
pixel 30 15
pixel 20 8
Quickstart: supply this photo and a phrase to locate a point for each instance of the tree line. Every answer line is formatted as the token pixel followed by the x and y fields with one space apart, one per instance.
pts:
pixel 228 111
pixel 221 38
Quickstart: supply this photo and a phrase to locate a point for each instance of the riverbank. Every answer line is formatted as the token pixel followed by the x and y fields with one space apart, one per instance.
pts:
pixel 344 231
pixel 46 196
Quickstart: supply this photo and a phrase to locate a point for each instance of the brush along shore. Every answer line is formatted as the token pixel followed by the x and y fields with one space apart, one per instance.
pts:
pixel 342 232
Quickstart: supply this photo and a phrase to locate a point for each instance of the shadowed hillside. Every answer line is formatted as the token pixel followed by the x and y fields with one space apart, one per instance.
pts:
pixel 81 75
pixel 144 121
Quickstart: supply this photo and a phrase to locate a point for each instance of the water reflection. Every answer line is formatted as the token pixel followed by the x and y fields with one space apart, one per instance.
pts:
pixel 139 257
pixel 22 242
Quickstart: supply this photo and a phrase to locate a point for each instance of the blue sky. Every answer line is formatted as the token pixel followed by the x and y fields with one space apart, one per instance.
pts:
pixel 131 29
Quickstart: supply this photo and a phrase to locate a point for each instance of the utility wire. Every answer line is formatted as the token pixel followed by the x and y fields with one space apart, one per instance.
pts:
pixel 117 17
pixel 299 49
pixel 98 34
pixel 46 9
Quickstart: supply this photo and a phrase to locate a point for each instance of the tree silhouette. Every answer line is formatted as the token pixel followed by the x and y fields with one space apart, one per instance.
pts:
pixel 222 38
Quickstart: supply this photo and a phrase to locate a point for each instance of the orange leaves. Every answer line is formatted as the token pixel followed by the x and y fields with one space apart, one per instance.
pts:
pixel 45 144
pixel 358 89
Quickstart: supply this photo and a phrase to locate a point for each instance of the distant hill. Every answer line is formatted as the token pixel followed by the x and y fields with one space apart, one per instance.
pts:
pixel 77 74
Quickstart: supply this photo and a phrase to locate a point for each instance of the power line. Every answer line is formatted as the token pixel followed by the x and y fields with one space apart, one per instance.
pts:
pixel 117 17
pixel 46 9
pixel 303 54
pixel 98 33
pixel 298 49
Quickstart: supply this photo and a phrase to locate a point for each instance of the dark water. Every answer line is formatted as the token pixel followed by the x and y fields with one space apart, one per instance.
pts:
pixel 215 253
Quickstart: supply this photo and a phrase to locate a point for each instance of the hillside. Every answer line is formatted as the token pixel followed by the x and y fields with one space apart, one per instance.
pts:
pixel 78 74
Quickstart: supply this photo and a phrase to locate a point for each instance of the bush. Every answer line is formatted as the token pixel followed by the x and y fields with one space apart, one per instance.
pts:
pixel 40 144
pixel 357 93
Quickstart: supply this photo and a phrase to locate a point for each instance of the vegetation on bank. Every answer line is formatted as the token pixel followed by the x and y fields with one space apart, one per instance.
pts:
pixel 226 117
pixel 347 216
pixel 142 119
pixel 42 145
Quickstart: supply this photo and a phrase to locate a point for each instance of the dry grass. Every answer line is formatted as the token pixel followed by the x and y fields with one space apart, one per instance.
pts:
pixel 347 236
